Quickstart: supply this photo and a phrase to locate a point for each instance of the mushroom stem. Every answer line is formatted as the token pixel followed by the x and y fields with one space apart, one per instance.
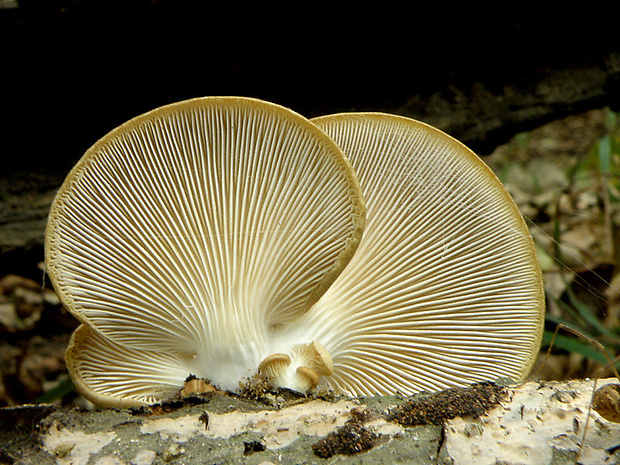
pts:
pixel 300 370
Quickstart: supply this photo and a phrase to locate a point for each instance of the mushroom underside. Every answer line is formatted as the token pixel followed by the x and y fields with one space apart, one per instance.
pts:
pixel 221 237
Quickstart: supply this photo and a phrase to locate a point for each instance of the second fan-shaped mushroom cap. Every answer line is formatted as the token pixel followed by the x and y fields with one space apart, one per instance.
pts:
pixel 445 288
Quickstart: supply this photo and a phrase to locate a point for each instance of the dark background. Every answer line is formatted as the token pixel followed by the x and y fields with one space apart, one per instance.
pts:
pixel 70 71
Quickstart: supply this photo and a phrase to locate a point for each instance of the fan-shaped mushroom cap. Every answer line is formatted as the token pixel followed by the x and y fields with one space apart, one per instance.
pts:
pixel 445 288
pixel 199 230
pixel 111 375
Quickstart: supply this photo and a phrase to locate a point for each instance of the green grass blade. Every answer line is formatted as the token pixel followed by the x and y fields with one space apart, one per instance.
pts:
pixel 574 345
pixel 62 389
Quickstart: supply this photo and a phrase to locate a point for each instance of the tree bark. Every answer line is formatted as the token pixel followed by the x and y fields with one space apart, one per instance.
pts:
pixel 535 423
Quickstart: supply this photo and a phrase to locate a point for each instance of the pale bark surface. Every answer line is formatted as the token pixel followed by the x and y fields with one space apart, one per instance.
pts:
pixel 535 423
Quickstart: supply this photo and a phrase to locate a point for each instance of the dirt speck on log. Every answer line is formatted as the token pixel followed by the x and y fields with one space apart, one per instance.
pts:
pixel 436 408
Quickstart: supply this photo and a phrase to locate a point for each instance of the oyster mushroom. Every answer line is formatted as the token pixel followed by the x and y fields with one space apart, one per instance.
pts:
pixel 189 238
pixel 445 288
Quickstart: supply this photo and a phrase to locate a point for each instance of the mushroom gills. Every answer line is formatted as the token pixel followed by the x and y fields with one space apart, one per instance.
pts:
pixel 222 236
pixel 445 288
pixel 196 234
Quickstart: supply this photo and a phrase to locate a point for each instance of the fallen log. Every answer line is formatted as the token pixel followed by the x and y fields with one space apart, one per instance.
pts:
pixel 533 423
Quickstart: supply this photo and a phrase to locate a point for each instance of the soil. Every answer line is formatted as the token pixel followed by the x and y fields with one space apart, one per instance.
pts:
pixel 437 408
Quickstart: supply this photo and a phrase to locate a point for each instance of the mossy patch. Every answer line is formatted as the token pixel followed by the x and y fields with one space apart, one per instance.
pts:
pixel 438 407
pixel 349 439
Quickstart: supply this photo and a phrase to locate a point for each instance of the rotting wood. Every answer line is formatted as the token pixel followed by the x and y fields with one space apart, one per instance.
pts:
pixel 537 422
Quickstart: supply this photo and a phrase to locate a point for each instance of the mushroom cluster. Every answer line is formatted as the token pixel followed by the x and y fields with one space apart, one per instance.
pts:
pixel 228 237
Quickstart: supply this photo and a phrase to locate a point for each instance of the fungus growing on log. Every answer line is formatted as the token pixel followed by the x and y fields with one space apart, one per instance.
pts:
pixel 224 236
pixel 445 289
pixel 190 238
